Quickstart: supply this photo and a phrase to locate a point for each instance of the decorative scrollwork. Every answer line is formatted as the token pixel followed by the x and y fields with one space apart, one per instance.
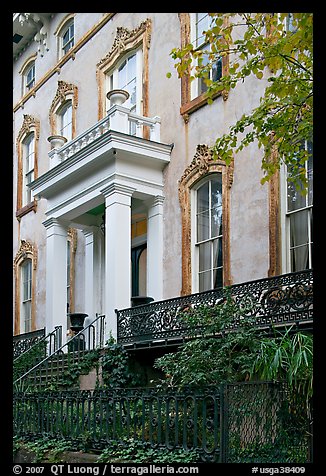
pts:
pixel 282 299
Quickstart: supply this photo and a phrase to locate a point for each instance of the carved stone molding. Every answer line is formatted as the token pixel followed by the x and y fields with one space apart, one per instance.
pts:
pixel 30 124
pixel 26 251
pixel 126 39
pixel 202 165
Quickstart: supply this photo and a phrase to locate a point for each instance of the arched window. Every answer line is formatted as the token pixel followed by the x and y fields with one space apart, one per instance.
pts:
pixel 126 67
pixel 62 114
pixel 24 267
pixel 204 195
pixel 65 120
pixel 207 233
pixel 28 166
pixel 27 153
pixel 66 35
pixel 26 295
pixel 28 75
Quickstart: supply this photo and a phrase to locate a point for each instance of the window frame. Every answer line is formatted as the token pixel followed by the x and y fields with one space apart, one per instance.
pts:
pixel 26 251
pixel 195 85
pixel 30 125
pixel 202 165
pixel 286 220
pixel 211 239
pixel 28 153
pixel 63 28
pixel 26 320
pixel 65 108
pixel 191 104
pixel 124 43
pixel 66 93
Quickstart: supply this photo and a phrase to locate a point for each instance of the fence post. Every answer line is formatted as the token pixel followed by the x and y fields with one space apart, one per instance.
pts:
pixel 224 412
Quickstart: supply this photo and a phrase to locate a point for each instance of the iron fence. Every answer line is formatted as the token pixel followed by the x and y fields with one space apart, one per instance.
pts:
pixel 247 422
pixel 276 301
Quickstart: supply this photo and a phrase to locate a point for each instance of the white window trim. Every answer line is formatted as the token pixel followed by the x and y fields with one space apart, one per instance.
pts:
pixel 60 115
pixel 63 29
pixel 285 224
pixel 22 300
pixel 194 86
pixel 194 247
pixel 25 191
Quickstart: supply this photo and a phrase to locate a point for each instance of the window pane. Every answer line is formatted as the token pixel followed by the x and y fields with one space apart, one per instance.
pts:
pixel 203 198
pixel 122 75
pixel 295 199
pixel 299 228
pixel 203 226
pixel 205 256
pixel 27 316
pixel 131 68
pixel 217 253
pixel 216 222
pixel 205 281
pixel 216 72
pixel 203 22
pixel 218 278
pixel 300 258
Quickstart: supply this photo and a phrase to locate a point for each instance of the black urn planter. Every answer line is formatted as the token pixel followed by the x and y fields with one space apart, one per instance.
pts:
pixel 77 320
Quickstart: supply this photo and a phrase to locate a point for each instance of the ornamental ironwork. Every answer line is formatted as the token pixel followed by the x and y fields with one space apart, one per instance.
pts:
pixel 271 302
pixel 23 342
pixel 240 422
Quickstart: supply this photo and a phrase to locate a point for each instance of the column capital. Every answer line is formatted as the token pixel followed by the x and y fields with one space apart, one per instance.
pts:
pixel 52 222
pixel 117 188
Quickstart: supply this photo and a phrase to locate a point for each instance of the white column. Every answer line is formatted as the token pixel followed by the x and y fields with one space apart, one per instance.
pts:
pixel 155 249
pixel 92 270
pixel 117 252
pixel 56 276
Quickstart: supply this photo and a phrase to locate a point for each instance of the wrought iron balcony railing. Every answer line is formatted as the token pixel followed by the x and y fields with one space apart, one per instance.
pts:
pixel 22 342
pixel 271 302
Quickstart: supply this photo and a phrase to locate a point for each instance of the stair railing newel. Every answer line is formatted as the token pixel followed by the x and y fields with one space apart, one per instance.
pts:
pixel 47 373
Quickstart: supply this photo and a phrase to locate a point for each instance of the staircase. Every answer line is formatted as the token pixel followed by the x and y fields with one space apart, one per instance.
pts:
pixel 61 369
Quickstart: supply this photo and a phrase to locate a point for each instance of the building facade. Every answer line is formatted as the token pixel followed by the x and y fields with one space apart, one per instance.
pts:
pixel 117 195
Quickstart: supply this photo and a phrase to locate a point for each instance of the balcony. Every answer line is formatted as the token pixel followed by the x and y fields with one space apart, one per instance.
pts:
pixel 113 146
pixel 271 303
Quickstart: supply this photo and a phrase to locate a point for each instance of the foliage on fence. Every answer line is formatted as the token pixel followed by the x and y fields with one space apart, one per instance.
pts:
pixel 222 423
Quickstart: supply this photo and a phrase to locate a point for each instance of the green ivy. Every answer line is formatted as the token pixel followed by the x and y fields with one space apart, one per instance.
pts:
pixel 135 451
pixel 29 359
pixel 116 371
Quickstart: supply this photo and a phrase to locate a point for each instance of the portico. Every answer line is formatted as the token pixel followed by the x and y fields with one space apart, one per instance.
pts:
pixel 113 171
